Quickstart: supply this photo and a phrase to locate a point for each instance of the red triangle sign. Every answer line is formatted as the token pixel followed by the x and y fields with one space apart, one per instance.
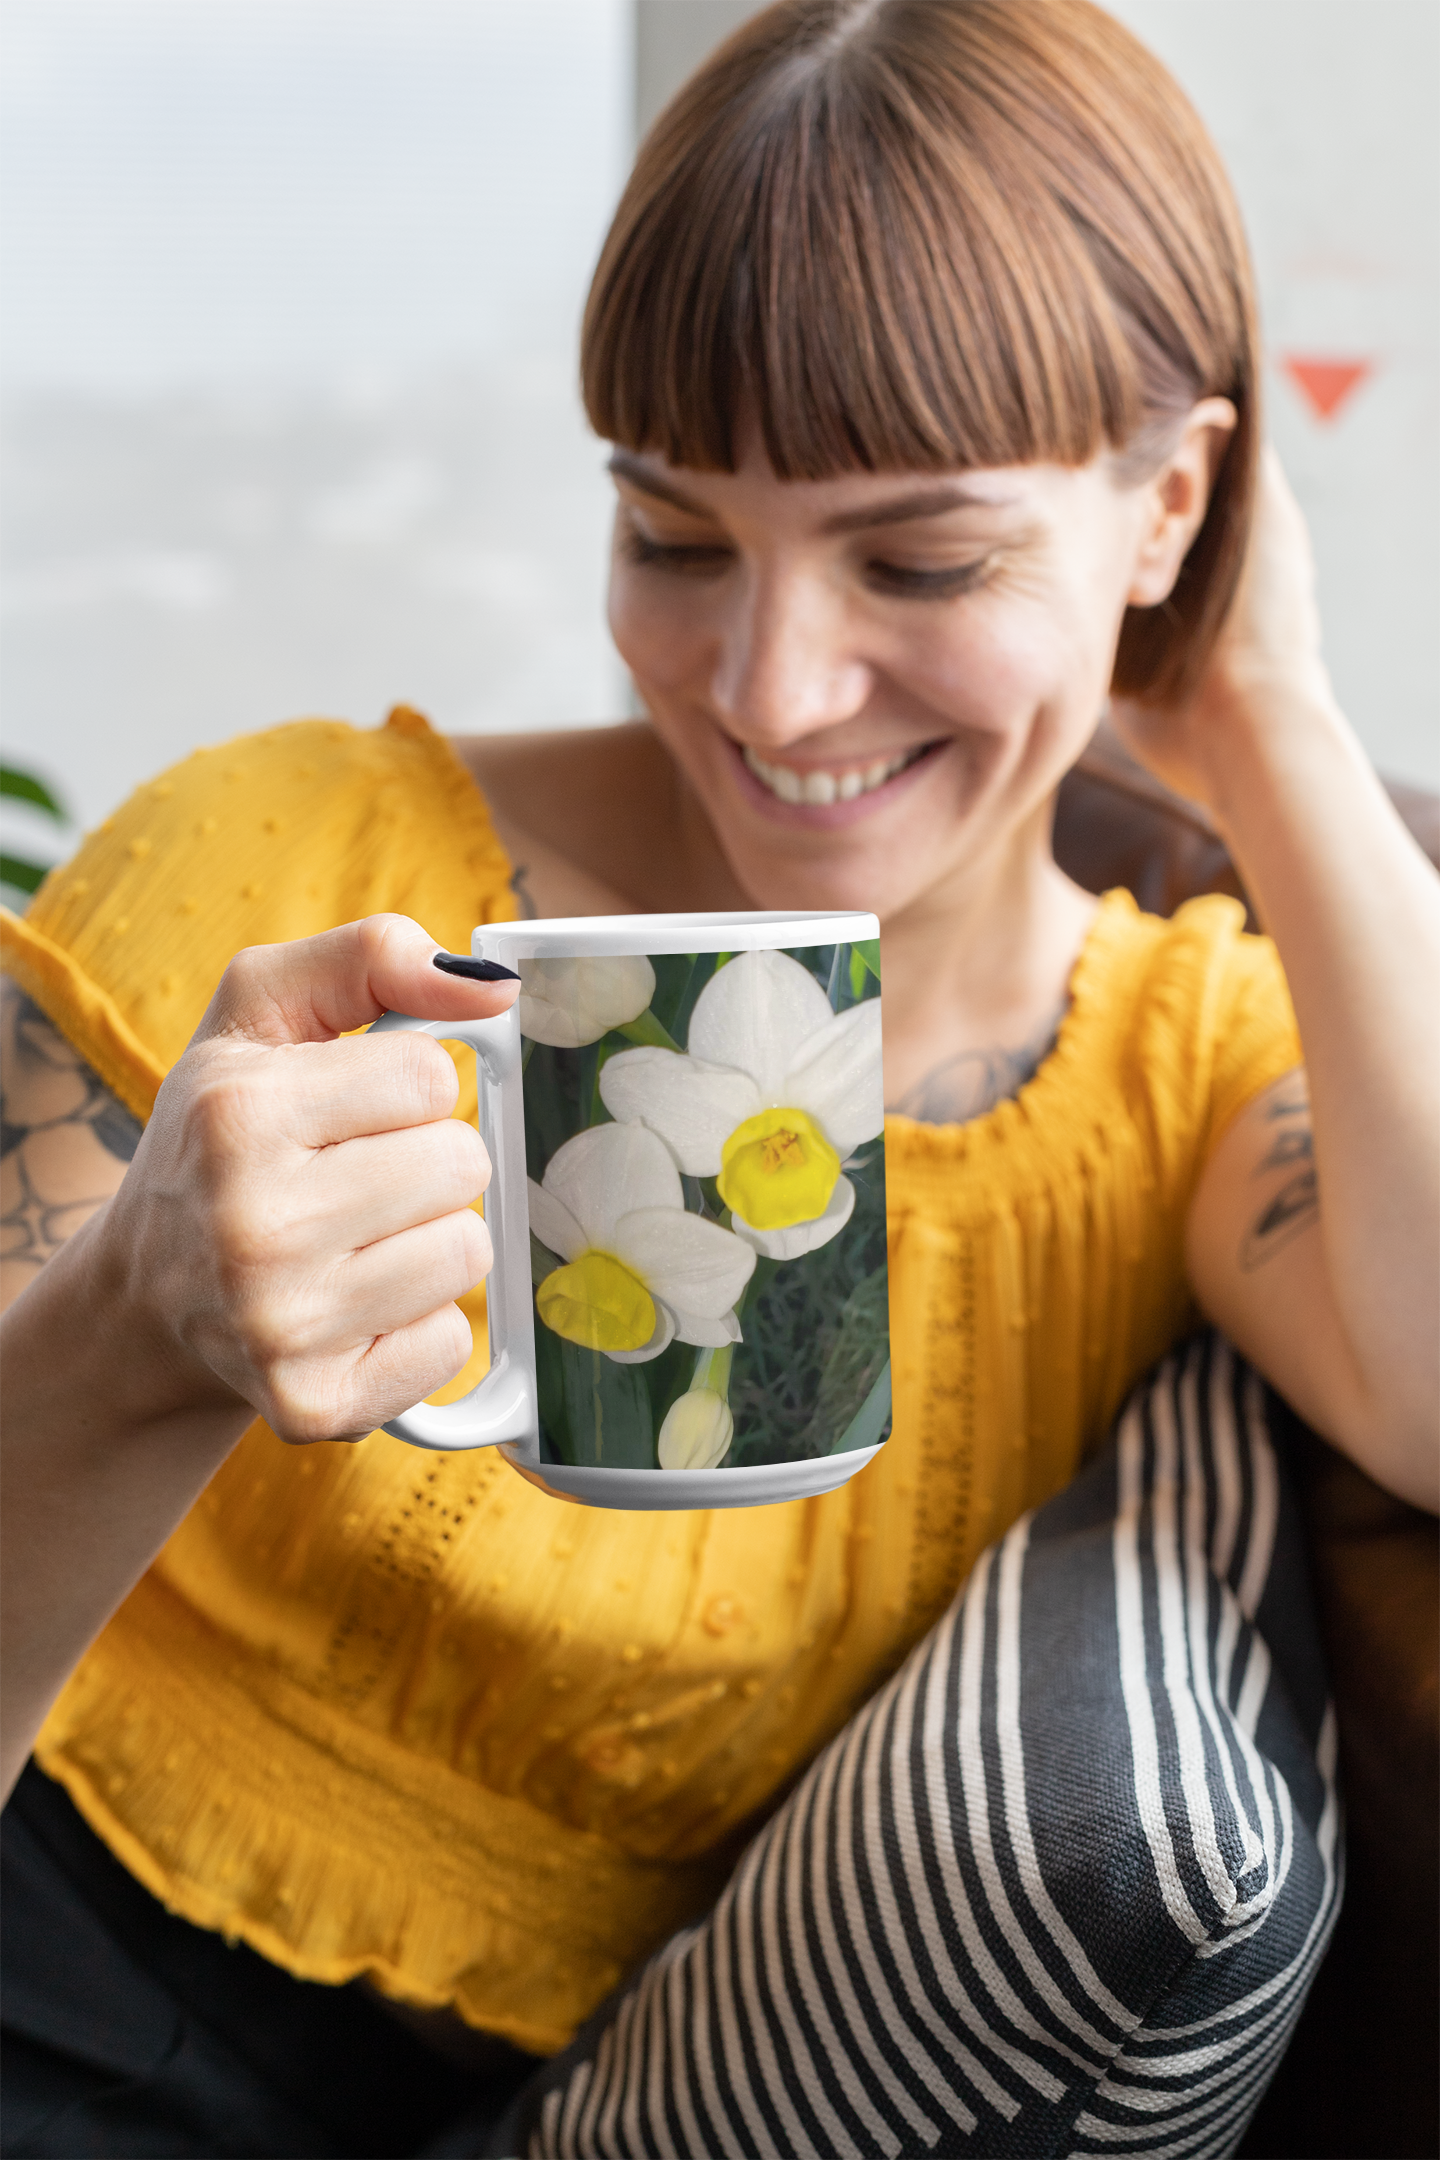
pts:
pixel 1325 385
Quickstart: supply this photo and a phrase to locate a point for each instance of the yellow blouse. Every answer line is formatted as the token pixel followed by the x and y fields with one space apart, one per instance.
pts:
pixel 387 1712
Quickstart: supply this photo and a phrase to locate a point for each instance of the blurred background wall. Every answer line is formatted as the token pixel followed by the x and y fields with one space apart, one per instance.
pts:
pixel 290 421
pixel 291 293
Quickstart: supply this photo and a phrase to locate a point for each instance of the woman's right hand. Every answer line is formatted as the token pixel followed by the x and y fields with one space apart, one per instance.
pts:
pixel 297 1222
pixel 290 1238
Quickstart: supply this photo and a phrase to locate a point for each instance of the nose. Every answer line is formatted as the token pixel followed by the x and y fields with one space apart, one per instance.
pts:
pixel 787 663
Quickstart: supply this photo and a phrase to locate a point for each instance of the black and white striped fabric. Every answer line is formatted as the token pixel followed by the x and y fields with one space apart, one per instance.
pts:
pixel 1060 1888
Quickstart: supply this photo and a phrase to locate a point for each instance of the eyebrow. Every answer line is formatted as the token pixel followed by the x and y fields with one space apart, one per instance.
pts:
pixel 919 503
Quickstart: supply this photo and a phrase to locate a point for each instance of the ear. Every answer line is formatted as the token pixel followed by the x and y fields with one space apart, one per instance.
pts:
pixel 1175 499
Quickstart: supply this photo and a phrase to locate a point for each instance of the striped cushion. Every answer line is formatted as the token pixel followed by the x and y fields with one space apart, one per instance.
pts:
pixel 1060 1888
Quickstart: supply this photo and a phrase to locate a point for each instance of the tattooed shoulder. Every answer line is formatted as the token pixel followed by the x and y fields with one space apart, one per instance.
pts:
pixel 974 1081
pixel 1295 1204
pixel 64 1139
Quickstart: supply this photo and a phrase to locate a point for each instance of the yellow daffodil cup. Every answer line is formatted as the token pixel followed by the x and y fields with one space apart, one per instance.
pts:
pixel 689 1306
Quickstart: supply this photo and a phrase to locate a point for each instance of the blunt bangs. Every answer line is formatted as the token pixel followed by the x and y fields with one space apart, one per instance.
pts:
pixel 920 235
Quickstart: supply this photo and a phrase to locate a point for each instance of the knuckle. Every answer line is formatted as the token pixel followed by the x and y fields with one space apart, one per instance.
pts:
pixel 302 1410
pixel 225 1107
pixel 464 1155
pixel 245 978
pixel 455 1341
pixel 375 932
pixel 429 1077
pixel 267 1336
pixel 432 1352
pixel 247 1242
pixel 476 1248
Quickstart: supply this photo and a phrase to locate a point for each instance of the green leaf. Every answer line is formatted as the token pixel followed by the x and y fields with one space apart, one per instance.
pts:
pixel 647 1030
pixel 550 1388
pixel 672 980
pixel 869 951
pixel 592 1110
pixel 552 1105
pixel 870 1424
pixel 666 1377
pixel 26 877
pixel 24 787
pixel 814 1336
pixel 607 1410
pixel 847 1397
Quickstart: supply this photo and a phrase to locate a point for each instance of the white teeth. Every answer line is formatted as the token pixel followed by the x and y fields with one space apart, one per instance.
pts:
pixel 825 787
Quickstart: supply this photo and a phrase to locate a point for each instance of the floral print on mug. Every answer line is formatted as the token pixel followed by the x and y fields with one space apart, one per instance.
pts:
pixel 707 1206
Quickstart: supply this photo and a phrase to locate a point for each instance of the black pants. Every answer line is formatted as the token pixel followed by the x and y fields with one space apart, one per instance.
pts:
pixel 129 2032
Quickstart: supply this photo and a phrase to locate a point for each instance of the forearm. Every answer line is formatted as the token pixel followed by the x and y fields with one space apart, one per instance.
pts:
pixel 291 1236
pixel 1354 909
pixel 107 1441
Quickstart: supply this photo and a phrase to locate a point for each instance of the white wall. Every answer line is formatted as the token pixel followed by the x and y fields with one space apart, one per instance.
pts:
pixel 290 419
pixel 1326 111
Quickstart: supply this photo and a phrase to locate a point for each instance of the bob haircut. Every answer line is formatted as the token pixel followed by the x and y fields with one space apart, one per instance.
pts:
pixel 909 235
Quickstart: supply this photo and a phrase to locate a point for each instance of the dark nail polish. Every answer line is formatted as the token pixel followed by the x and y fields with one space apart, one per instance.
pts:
pixel 454 963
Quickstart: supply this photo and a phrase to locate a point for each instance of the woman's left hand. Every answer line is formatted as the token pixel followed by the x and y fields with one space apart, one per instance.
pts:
pixel 1311 1237
pixel 1266 661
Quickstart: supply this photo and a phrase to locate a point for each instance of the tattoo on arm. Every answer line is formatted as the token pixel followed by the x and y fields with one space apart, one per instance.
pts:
pixel 1296 1203
pixel 64 1139
pixel 967 1085
pixel 528 910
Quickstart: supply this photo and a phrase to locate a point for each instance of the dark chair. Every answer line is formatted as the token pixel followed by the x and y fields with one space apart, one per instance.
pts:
pixel 1362 2074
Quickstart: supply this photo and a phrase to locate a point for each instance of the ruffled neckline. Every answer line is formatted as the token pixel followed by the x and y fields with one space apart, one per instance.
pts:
pixel 1068 1066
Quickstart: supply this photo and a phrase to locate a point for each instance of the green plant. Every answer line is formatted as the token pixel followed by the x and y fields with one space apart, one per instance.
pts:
pixel 16 871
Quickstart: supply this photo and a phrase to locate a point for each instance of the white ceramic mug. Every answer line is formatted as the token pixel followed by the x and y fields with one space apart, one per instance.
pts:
pixel 689 1303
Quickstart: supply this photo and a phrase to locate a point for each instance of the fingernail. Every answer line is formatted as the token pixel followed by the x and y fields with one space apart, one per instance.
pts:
pixel 454 963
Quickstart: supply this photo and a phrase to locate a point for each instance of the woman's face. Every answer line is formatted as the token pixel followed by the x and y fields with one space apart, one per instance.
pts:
pixel 873 683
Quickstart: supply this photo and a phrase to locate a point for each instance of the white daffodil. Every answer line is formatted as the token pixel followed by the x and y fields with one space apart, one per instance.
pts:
pixel 774 1094
pixel 638 1271
pixel 568 1003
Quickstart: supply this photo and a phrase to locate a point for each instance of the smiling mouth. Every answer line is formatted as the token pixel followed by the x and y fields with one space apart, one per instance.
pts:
pixel 822 785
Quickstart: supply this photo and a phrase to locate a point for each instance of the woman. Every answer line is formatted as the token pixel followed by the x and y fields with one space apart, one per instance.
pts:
pixel 924 339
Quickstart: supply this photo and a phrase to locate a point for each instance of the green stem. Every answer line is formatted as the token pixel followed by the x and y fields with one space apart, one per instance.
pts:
pixel 646 1029
pixel 712 1370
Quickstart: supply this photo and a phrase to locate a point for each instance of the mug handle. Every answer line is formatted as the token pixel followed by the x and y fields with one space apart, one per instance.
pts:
pixel 503 1405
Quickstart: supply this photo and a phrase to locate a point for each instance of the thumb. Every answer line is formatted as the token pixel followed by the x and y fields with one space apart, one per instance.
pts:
pixel 317 988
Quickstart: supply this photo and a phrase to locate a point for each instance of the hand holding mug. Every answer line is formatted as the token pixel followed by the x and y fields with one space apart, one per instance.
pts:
pixel 298 1219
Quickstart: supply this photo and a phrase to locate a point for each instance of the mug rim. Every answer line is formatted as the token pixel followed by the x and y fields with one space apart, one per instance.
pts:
pixel 758 930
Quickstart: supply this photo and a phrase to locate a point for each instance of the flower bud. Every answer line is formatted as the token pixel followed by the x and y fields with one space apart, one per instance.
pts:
pixel 572 1002
pixel 698 1428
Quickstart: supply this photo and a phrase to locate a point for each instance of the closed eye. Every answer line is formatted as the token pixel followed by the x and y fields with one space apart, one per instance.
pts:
pixel 687 561
pixel 907 584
